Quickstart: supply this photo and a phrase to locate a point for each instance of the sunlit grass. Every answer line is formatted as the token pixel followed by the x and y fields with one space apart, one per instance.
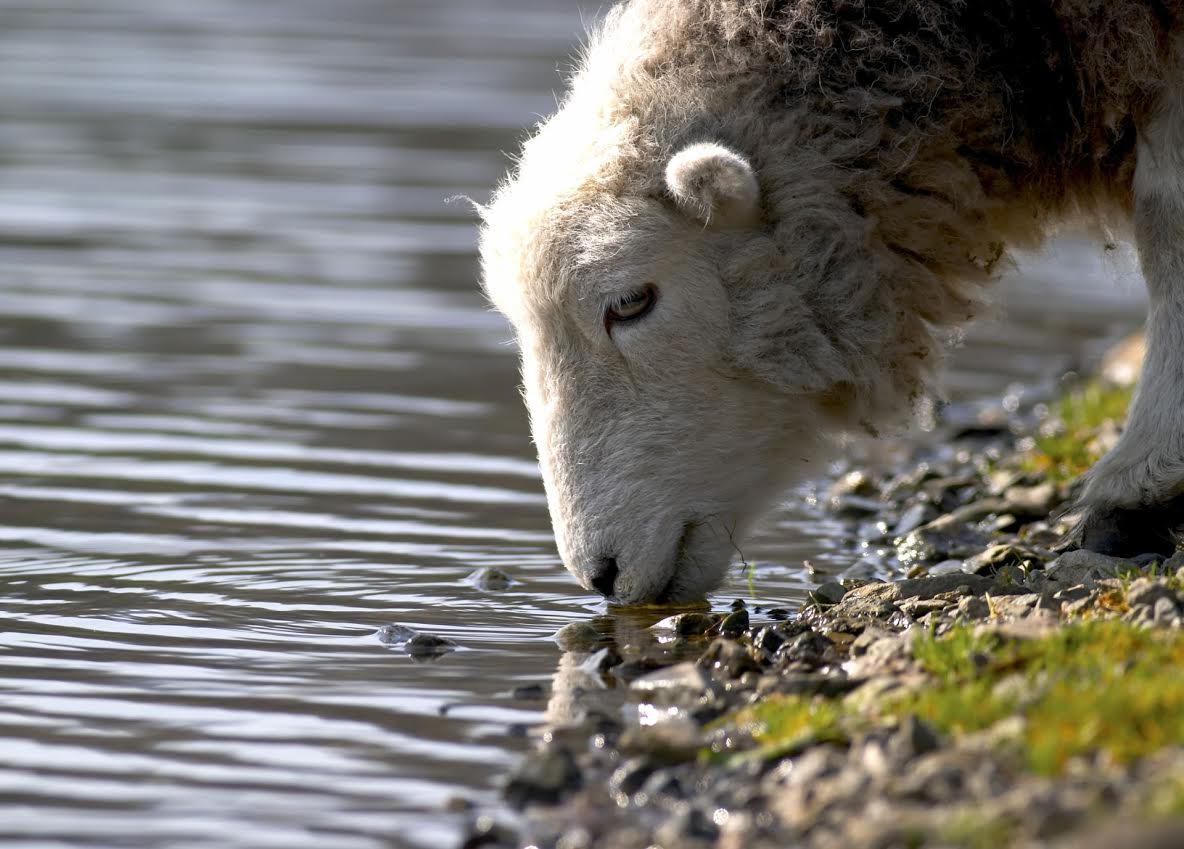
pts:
pixel 1092 687
pixel 1071 446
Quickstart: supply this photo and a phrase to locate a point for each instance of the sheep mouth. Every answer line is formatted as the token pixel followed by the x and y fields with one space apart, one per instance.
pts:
pixel 669 592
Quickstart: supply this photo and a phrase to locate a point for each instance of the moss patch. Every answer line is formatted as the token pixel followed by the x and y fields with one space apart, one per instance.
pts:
pixel 1068 443
pixel 1091 687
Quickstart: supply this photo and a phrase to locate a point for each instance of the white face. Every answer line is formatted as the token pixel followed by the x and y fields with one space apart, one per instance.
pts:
pixel 658 449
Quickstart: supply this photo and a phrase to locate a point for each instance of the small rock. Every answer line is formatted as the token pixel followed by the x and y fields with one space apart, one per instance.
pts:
pixel 1033 502
pixel 673 738
pixel 827 595
pixel 629 777
pixel 974 609
pixel 919 607
pixel 1085 567
pixel 415 643
pixel 912 739
pixel 686 624
pixel 486 833
pixel 947 537
pixel 529 693
pixel 728 659
pixel 601 661
pixel 543 778
pixel 681 676
pixel 856 483
pixel 996 557
pixel 579 637
pixel 1146 592
pixel 685 826
pixel 428 645
pixel 734 624
pixel 768 640
pixel 396 634
pixel 936 585
pixel 914 517
pixel 490 579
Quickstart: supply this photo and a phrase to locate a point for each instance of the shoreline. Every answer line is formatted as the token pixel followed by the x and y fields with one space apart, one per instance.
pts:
pixel 998 692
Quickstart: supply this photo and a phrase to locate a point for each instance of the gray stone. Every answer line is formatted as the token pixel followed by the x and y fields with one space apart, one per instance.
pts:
pixel 914 517
pixel 911 739
pixel 579 636
pixel 428 645
pixel 1030 501
pixel 490 579
pixel 601 661
pixel 974 609
pixel 686 624
pixel 728 659
pixel 1085 567
pixel 735 623
pixel 998 557
pixel 947 537
pixel 827 594
pixel 543 778
pixel 681 676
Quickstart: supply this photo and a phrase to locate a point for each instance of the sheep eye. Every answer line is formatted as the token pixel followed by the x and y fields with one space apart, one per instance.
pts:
pixel 631 307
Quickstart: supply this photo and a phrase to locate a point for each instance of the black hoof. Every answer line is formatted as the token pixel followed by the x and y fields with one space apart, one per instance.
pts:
pixel 1122 532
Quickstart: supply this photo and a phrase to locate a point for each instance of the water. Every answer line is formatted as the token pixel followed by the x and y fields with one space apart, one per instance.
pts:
pixel 252 408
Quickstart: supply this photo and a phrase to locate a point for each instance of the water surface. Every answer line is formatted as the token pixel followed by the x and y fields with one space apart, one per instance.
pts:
pixel 253 408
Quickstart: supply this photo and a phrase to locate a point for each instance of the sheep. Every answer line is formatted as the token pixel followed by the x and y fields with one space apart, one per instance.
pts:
pixel 753 227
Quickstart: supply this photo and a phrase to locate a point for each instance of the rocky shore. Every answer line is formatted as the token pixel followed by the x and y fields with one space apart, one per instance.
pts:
pixel 999 693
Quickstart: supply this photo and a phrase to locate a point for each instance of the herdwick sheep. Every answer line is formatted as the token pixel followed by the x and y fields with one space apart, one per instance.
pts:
pixel 753 225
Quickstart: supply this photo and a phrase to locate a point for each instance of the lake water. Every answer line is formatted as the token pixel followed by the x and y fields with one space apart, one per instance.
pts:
pixel 253 408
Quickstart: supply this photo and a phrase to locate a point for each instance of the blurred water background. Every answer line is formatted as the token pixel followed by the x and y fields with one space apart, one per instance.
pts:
pixel 253 408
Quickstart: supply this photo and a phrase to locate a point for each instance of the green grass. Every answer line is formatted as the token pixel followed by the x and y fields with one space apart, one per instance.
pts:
pixel 1073 447
pixel 1093 687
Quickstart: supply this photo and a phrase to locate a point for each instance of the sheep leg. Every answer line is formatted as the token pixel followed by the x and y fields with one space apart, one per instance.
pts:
pixel 1135 494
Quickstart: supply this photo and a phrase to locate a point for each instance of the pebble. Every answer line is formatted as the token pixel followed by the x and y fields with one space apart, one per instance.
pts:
pixel 490 579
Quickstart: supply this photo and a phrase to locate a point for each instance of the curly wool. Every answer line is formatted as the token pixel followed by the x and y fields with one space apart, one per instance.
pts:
pixel 903 147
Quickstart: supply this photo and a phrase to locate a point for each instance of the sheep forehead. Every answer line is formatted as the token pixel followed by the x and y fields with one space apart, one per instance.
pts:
pixel 542 258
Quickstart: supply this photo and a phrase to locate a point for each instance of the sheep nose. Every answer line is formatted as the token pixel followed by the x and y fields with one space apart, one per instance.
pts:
pixel 606 576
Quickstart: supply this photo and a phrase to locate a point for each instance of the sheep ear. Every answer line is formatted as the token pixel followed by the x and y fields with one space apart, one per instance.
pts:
pixel 714 185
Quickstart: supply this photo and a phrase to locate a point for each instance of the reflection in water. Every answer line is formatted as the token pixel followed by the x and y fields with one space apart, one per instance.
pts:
pixel 253 408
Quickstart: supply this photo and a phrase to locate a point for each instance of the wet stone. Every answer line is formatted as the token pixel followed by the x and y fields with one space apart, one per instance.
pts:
pixel 543 778
pixel 601 661
pixel 728 659
pixel 579 637
pixel 428 645
pixel 669 738
pixel 414 642
pixel 687 825
pixel 768 640
pixel 735 623
pixel 396 634
pixel 686 624
pixel 827 594
pixel 681 676
pixel 486 833
pixel 629 777
pixel 945 538
pixel 490 579
pixel 529 693
pixel 913 518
